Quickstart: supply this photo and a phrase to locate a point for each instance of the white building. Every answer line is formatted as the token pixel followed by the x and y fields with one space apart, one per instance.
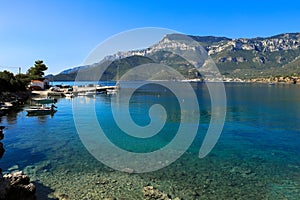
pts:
pixel 40 84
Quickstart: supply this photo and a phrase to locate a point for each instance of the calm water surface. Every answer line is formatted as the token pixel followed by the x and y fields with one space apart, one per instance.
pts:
pixel 256 157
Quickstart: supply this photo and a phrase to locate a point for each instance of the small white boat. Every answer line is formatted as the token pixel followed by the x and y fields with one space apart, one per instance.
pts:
pixel 41 110
pixel 111 91
pixel 81 94
pixel 69 95
pixel 271 83
pixel 44 100
pixel 90 93
pixel 8 104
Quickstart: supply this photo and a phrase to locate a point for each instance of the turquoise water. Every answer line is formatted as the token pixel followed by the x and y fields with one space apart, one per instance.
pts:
pixel 256 157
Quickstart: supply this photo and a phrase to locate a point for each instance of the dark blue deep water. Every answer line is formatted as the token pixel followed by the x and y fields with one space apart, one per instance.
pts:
pixel 257 155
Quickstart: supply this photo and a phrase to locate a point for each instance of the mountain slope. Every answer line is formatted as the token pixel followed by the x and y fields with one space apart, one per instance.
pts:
pixel 244 58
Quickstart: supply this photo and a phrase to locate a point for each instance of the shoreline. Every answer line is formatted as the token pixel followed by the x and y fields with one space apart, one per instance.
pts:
pixel 12 100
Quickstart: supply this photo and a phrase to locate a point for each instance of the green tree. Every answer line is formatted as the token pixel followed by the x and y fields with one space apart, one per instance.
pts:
pixel 6 75
pixel 24 78
pixel 5 78
pixel 37 71
pixel 11 83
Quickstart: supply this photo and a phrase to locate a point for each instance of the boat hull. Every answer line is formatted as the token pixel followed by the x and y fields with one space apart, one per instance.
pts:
pixel 40 111
pixel 44 100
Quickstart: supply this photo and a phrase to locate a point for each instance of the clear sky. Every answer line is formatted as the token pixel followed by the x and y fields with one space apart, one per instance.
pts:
pixel 63 32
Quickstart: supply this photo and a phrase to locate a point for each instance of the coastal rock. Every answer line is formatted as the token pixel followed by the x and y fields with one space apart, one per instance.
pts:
pixel 17 186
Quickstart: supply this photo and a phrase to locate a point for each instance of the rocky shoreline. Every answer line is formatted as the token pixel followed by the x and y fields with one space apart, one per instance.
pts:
pixel 19 97
pixel 12 100
pixel 277 79
pixel 15 185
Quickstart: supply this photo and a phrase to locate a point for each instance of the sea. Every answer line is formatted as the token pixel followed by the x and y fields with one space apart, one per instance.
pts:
pixel 256 156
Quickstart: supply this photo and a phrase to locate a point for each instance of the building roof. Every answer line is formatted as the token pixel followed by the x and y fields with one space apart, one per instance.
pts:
pixel 36 81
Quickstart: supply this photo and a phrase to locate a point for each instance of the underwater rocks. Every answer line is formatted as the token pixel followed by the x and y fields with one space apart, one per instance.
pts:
pixel 16 186
pixel 151 193
pixel 244 172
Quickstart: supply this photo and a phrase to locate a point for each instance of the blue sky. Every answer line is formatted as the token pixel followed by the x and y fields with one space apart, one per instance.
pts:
pixel 62 33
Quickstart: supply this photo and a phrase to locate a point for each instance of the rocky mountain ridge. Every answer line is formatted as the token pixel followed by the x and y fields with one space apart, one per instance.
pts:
pixel 242 57
pixel 215 45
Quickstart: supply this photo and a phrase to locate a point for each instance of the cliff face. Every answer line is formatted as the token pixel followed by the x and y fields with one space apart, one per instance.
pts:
pixel 276 43
pixel 242 57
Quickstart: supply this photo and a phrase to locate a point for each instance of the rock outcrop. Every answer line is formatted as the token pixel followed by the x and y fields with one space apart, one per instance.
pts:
pixel 16 186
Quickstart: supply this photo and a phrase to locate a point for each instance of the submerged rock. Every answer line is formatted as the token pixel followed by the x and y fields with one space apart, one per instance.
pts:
pixel 151 193
pixel 16 186
pixel 13 168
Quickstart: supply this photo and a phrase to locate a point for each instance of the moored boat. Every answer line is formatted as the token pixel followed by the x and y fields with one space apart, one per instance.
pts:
pixel 90 93
pixel 87 93
pixel 112 91
pixel 41 110
pixel 44 100
pixel 69 95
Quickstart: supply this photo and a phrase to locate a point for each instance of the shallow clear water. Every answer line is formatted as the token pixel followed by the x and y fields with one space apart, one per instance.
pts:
pixel 256 157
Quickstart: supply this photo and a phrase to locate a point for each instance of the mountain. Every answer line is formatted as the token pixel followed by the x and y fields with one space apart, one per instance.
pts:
pixel 242 57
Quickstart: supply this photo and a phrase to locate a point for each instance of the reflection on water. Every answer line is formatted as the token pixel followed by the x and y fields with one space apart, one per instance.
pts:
pixel 11 117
